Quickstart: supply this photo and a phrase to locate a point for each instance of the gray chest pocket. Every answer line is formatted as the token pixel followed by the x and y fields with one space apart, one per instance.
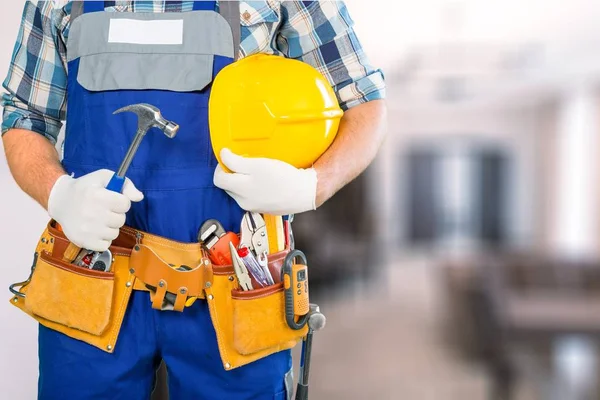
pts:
pixel 138 51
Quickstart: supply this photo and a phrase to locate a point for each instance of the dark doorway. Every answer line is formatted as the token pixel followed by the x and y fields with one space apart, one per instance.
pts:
pixel 481 182
pixel 492 194
pixel 422 180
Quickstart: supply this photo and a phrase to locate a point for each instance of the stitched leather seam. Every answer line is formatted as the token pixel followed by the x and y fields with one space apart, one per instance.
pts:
pixel 260 296
pixel 58 236
pixel 129 230
pixel 110 275
pixel 222 273
pixel 126 252
pixel 120 316
pixel 167 246
pixel 218 330
pixel 171 243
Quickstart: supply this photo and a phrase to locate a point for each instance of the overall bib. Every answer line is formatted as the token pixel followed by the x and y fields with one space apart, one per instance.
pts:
pixel 172 70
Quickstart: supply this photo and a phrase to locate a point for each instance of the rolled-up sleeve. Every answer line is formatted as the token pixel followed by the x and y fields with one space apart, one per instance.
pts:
pixel 35 97
pixel 321 34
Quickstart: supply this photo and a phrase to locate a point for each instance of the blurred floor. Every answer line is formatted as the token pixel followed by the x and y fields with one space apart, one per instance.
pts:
pixel 383 341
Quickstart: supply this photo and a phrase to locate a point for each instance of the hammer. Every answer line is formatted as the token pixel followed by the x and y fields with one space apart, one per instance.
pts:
pixel 148 117
pixel 316 322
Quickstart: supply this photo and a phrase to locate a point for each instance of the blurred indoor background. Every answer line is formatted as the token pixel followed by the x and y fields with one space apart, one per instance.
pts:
pixel 465 263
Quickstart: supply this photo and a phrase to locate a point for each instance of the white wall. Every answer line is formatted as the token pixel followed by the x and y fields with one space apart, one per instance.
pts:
pixel 21 223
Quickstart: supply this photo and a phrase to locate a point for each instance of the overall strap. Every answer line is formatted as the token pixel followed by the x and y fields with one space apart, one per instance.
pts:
pixel 90 6
pixel 204 5
pixel 76 9
pixel 230 10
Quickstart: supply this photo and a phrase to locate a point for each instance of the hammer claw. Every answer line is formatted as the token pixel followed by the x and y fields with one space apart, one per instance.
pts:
pixel 148 117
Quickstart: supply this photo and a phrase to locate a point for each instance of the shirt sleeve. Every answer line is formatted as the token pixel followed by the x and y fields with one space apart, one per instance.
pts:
pixel 321 34
pixel 35 97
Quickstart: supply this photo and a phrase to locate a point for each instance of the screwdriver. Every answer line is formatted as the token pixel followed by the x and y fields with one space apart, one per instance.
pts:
pixel 253 266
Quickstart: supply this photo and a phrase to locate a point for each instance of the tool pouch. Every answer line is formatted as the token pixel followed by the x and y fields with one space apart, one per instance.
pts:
pixel 72 296
pixel 251 324
pixel 84 304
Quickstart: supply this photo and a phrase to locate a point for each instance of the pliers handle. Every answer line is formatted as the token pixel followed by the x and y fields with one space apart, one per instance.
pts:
pixel 240 269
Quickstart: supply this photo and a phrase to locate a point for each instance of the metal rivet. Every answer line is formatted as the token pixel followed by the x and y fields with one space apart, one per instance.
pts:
pixel 210 297
pixel 206 262
pixel 16 300
pixel 51 240
pixel 109 347
pixel 128 284
pixel 132 271
pixel 183 291
pixel 161 283
pixel 227 365
pixel 208 284
pixel 246 15
pixel 231 278
pixel 263 234
pixel 137 248
pixel 259 243
pixel 43 240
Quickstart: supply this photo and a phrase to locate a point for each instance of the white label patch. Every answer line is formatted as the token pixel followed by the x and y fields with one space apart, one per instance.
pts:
pixel 145 32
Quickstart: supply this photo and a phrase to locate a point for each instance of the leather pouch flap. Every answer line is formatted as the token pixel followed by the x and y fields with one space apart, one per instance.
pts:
pixel 156 272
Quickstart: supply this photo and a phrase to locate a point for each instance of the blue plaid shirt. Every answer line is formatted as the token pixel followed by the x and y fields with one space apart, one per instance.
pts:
pixel 319 33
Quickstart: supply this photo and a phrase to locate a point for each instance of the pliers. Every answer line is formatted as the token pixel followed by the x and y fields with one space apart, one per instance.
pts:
pixel 254 237
pixel 240 269
pixel 254 233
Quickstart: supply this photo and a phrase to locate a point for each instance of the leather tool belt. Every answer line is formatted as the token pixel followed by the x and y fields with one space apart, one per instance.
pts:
pixel 90 305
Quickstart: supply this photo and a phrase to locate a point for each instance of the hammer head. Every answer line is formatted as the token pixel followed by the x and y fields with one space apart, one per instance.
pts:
pixel 316 320
pixel 150 117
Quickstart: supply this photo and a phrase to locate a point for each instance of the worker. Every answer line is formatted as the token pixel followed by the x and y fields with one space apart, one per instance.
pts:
pixel 94 68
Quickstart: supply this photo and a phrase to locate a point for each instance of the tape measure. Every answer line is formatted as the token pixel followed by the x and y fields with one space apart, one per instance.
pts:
pixel 295 284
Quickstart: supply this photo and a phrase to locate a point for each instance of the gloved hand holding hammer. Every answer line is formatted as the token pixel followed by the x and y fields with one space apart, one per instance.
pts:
pixel 89 214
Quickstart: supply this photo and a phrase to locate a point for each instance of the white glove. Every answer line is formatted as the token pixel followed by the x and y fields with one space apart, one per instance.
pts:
pixel 267 186
pixel 89 214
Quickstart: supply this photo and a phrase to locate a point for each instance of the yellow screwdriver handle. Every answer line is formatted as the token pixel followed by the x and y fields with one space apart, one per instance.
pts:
pixel 275 234
pixel 71 253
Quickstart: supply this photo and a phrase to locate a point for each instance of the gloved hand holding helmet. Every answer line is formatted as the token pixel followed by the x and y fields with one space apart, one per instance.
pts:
pixel 270 119
pixel 90 215
pixel 266 185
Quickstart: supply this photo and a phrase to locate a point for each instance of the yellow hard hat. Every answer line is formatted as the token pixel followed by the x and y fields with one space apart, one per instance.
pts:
pixel 274 107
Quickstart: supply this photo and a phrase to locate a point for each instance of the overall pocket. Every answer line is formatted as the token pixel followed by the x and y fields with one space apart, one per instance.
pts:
pixel 69 295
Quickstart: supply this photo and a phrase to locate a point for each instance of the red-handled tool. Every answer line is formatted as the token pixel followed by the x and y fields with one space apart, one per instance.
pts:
pixel 216 241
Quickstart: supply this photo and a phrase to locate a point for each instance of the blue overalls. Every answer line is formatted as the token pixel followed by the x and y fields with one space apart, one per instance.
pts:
pixel 176 177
